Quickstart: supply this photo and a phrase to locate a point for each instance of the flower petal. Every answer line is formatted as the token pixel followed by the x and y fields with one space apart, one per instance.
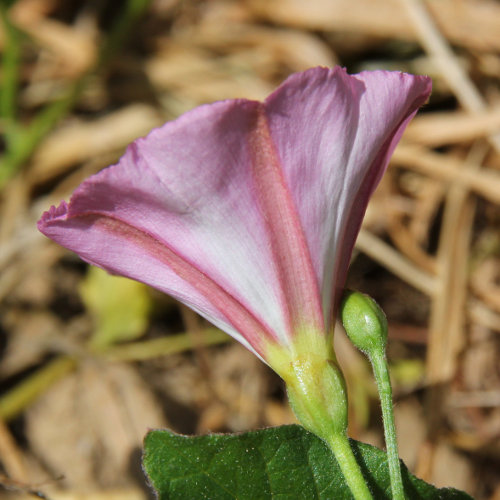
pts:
pixel 334 134
pixel 297 279
pixel 188 187
pixel 247 211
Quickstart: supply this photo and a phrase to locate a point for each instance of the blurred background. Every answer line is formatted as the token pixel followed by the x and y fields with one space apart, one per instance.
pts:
pixel 88 362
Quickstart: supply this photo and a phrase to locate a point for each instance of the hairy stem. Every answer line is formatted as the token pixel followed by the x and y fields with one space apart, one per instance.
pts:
pixel 381 372
pixel 349 467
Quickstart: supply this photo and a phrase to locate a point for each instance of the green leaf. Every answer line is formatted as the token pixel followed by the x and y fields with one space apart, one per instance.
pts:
pixel 120 307
pixel 282 463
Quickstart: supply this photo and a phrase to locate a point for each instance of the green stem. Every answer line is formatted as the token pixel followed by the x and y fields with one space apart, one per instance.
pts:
pixel 8 93
pixel 349 466
pixel 146 349
pixel 13 402
pixel 381 372
pixel 318 395
pixel 129 14
pixel 10 67
pixel 17 399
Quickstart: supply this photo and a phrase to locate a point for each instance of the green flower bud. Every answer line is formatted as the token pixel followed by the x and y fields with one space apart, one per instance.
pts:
pixel 364 322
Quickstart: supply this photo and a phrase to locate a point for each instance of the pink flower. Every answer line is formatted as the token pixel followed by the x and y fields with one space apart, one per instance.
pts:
pixel 248 211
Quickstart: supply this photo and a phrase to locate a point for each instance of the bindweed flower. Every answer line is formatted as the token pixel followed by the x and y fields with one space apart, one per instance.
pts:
pixel 248 212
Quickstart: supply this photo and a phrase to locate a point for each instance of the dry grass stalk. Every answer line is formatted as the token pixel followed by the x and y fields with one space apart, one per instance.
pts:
pixel 447 325
pixel 444 167
pixel 387 19
pixel 444 58
pixel 385 255
pixel 439 129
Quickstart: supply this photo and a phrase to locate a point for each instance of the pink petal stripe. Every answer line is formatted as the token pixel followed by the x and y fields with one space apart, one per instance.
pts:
pixel 313 119
pixel 333 134
pixel 237 315
pixel 291 253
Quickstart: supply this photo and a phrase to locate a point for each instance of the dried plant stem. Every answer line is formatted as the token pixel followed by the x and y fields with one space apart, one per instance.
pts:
pixel 447 322
pixel 11 455
pixel 484 182
pixel 391 259
pixel 448 314
pixel 447 336
pixel 453 73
